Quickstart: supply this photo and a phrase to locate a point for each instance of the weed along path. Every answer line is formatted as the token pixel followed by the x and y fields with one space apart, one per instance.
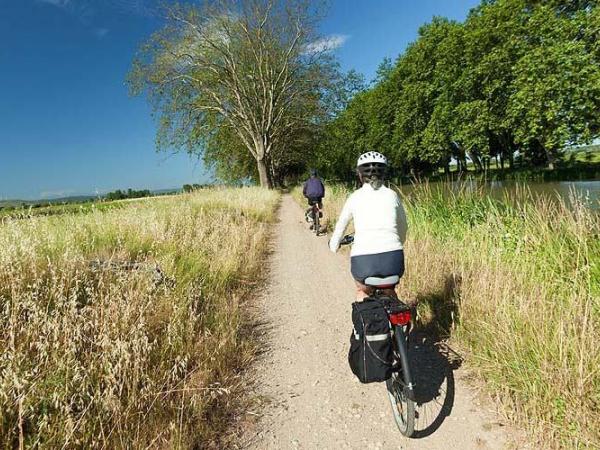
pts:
pixel 311 399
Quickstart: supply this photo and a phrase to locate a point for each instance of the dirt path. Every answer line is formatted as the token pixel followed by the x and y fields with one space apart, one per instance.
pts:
pixel 314 401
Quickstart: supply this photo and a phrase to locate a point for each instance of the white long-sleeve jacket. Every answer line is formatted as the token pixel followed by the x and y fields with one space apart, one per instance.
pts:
pixel 379 221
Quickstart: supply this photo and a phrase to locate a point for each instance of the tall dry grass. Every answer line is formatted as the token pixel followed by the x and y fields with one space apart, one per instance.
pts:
pixel 517 285
pixel 126 328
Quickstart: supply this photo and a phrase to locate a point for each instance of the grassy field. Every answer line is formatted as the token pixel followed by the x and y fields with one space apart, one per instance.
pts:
pixel 518 289
pixel 589 154
pixel 126 328
pixel 26 212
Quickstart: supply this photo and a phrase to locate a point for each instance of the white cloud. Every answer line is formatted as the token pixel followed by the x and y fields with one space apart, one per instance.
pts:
pixel 143 8
pixel 84 11
pixel 56 194
pixel 101 32
pixel 327 43
pixel 57 3
pixel 89 8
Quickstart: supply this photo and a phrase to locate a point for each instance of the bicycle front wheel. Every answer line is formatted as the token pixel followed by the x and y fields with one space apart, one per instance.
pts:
pixel 403 407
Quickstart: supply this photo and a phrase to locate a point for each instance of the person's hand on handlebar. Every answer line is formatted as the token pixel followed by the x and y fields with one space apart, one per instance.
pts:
pixel 347 240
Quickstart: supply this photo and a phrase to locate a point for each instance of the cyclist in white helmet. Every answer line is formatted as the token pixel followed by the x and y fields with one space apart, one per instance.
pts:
pixel 379 225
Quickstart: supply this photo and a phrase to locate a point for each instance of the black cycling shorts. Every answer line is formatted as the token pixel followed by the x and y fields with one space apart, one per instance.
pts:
pixel 377 265
pixel 313 200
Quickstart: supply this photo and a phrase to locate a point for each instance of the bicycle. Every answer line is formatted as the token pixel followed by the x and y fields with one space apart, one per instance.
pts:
pixel 400 386
pixel 313 215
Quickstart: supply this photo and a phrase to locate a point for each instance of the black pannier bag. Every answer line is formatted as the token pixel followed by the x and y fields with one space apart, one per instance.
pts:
pixel 371 355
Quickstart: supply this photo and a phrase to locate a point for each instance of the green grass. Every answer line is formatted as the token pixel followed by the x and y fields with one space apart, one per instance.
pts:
pixel 27 210
pixel 53 210
pixel 517 286
pixel 101 349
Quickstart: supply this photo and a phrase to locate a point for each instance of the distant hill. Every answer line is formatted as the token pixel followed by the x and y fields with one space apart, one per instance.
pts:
pixel 71 199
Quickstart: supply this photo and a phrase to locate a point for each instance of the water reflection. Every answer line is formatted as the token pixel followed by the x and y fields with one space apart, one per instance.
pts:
pixel 586 191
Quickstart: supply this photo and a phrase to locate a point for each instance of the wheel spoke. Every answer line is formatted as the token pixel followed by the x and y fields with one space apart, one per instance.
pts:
pixel 402 407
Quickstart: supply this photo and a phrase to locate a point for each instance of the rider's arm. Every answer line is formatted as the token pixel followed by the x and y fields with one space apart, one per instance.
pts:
pixel 340 226
pixel 401 221
pixel 304 188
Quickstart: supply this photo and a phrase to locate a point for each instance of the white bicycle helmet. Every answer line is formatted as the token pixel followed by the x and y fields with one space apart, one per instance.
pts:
pixel 371 158
pixel 372 167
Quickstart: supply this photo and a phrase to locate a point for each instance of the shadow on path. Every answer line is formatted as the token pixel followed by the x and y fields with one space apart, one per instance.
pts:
pixel 433 365
pixel 432 361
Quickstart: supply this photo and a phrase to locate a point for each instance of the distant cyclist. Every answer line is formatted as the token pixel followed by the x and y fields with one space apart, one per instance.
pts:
pixel 379 223
pixel 314 190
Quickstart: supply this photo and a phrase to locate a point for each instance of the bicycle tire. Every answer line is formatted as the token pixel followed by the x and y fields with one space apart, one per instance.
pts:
pixel 316 221
pixel 400 395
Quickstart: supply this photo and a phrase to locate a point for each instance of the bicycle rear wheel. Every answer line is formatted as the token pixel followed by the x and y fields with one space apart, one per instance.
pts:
pixel 403 407
pixel 317 222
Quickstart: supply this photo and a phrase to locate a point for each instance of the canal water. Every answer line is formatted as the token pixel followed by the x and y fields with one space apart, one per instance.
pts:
pixel 586 191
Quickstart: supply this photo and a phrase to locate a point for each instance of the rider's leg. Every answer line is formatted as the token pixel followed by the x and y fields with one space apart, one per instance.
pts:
pixel 390 293
pixel 308 215
pixel 362 291
pixel 310 207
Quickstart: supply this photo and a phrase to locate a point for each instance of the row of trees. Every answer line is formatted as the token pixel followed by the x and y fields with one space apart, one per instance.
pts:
pixel 193 187
pixel 129 193
pixel 251 87
pixel 516 75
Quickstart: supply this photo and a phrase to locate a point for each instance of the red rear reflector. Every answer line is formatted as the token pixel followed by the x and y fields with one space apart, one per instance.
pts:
pixel 400 318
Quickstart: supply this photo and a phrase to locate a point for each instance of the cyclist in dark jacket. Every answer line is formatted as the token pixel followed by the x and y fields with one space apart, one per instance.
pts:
pixel 313 190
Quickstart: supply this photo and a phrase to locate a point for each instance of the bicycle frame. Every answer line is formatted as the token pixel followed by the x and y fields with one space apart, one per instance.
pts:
pixel 315 209
pixel 401 333
pixel 316 220
pixel 401 347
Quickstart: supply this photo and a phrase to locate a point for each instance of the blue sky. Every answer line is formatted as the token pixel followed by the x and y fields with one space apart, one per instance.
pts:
pixel 67 123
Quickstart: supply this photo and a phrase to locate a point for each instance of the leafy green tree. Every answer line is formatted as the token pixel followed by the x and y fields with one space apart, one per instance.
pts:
pixel 557 98
pixel 228 157
pixel 516 75
pixel 255 67
pixel 335 146
pixel 424 78
pixel 344 140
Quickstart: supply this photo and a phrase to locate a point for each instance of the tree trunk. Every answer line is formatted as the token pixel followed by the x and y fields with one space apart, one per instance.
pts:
pixel 550 157
pixel 274 177
pixel 263 173
pixel 476 161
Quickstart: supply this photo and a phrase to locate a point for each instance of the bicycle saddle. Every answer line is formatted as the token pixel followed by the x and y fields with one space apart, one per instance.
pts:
pixel 386 282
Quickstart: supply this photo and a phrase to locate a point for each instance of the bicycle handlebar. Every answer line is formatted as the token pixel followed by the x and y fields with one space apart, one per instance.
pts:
pixel 347 240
